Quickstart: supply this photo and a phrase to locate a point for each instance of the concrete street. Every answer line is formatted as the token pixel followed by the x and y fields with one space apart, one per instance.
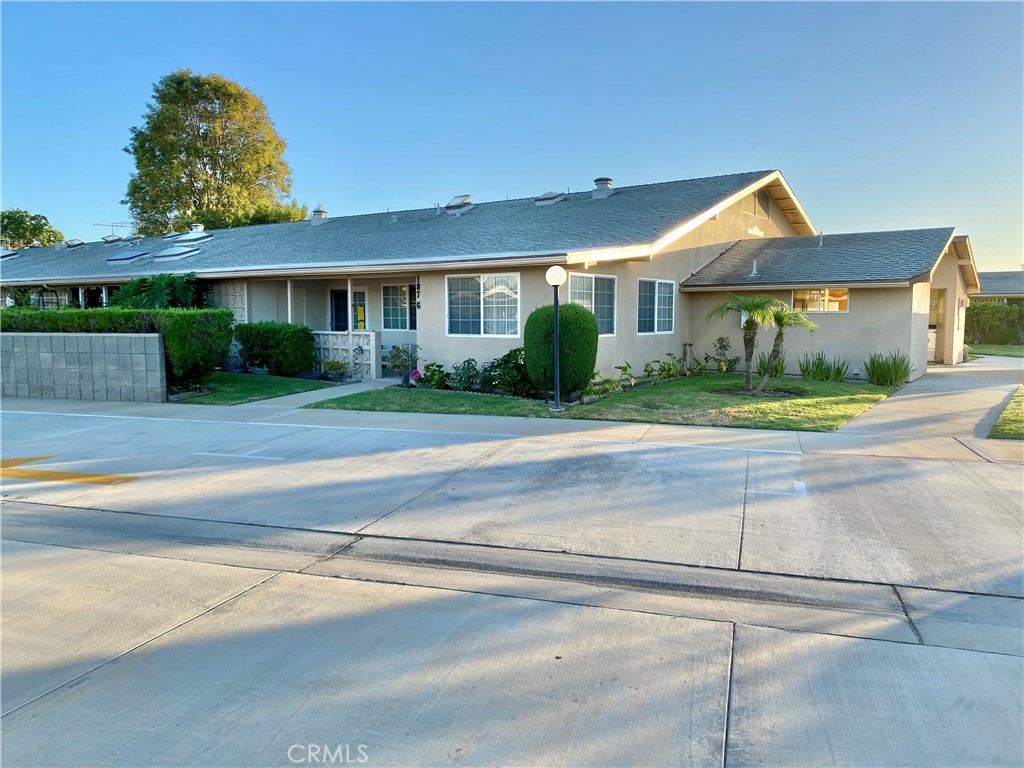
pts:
pixel 262 585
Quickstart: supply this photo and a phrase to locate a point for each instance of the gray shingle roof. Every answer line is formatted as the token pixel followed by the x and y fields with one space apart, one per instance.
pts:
pixel 844 258
pixel 638 214
pixel 1002 283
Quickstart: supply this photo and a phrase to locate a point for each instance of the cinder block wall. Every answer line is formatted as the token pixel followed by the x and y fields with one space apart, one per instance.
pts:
pixel 84 366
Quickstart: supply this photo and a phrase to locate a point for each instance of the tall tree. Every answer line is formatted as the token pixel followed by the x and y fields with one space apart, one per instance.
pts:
pixel 21 229
pixel 208 152
pixel 755 311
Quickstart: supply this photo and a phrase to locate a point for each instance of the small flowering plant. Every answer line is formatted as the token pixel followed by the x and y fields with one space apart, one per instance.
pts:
pixel 416 375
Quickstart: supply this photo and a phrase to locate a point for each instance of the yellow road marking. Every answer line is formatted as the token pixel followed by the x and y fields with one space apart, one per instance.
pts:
pixel 11 469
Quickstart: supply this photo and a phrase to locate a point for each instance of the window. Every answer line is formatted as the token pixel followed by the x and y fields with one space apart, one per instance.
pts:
pixel 596 293
pixel 655 306
pixel 483 305
pixel 399 312
pixel 358 310
pixel 822 300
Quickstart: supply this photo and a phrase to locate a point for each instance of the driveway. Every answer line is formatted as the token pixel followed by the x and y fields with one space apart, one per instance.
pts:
pixel 952 401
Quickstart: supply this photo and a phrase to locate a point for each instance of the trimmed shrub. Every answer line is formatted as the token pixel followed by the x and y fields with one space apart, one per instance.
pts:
pixel 818 367
pixel 335 370
pixel 577 342
pixel 195 340
pixel 284 349
pixel 891 370
pixel 992 322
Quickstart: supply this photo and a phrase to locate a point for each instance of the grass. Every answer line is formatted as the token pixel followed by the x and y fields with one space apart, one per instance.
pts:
pixel 816 406
pixel 237 388
pixel 1011 423
pixel 398 400
pixel 1006 350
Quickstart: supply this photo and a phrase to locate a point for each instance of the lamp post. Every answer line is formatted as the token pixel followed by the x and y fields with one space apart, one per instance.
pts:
pixel 556 277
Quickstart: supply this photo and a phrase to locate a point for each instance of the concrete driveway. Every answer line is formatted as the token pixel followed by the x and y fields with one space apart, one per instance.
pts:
pixel 266 586
pixel 957 401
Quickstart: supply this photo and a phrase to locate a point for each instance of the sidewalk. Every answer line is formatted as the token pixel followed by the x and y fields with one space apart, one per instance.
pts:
pixel 938 417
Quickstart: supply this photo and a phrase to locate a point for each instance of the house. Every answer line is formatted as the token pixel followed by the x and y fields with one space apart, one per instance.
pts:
pixel 461 279
pixel 1004 287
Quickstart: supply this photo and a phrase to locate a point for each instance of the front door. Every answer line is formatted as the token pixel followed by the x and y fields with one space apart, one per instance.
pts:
pixel 936 325
pixel 339 310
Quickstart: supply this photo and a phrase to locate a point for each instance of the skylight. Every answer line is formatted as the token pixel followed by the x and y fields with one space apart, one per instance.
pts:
pixel 108 239
pixel 459 201
pixel 176 252
pixel 194 237
pixel 548 198
pixel 172 235
pixel 6 254
pixel 125 257
pixel 73 243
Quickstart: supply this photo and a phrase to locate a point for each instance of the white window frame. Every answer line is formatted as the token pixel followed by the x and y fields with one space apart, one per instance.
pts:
pixel 408 298
pixel 615 301
pixel 823 301
pixel 656 282
pixel 480 276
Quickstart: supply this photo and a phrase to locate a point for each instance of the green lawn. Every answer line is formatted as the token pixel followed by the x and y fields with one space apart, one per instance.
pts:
pixel 817 406
pixel 1006 350
pixel 237 388
pixel 1011 423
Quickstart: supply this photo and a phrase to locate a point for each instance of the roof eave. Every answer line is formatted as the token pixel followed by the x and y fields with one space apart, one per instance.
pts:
pixel 789 286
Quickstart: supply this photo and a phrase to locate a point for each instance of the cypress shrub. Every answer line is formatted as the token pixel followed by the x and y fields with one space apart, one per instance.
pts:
pixel 577 342
pixel 284 349
pixel 195 340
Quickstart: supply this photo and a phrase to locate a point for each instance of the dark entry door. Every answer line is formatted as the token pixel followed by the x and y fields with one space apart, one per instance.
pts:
pixel 339 310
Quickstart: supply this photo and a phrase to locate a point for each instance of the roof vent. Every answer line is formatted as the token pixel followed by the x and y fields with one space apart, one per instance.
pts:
pixel 603 188
pixel 821 239
pixel 458 205
pixel 549 198
pixel 753 272
pixel 172 235
pixel 176 252
pixel 196 227
pixel 394 219
pixel 319 216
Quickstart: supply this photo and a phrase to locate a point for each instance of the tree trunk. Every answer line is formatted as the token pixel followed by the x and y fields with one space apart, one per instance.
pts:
pixel 749 338
pixel 773 358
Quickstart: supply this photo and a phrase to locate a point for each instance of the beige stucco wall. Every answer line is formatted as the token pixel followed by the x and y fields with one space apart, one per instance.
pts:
pixel 879 320
pixel 947 275
pixel 920 297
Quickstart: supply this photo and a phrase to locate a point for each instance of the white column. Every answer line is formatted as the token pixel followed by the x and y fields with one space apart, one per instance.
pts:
pixel 81 297
pixel 289 301
pixel 106 296
pixel 351 318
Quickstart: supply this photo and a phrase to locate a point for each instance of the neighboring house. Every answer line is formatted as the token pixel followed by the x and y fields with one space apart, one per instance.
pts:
pixel 648 260
pixel 1005 287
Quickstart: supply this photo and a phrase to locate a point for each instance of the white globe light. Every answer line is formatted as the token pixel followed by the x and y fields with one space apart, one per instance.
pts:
pixel 555 276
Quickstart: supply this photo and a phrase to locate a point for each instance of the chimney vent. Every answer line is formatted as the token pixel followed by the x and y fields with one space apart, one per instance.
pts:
pixel 753 272
pixel 821 239
pixel 196 227
pixel 603 188
pixel 319 216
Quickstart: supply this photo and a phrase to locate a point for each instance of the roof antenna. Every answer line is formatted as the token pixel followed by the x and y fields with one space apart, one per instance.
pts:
pixel 753 272
pixel 821 239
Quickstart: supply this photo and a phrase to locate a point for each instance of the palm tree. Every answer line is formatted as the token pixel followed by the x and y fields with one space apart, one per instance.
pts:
pixel 755 311
pixel 782 318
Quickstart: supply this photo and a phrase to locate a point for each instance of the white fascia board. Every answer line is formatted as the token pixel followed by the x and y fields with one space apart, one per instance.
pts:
pixel 619 253
pixel 962 244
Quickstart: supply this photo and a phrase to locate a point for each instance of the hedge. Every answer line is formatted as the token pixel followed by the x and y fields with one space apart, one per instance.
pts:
pixel 577 331
pixel 284 349
pixel 195 340
pixel 992 322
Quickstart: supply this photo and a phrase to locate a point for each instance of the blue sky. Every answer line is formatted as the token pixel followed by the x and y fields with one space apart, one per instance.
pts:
pixel 881 115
